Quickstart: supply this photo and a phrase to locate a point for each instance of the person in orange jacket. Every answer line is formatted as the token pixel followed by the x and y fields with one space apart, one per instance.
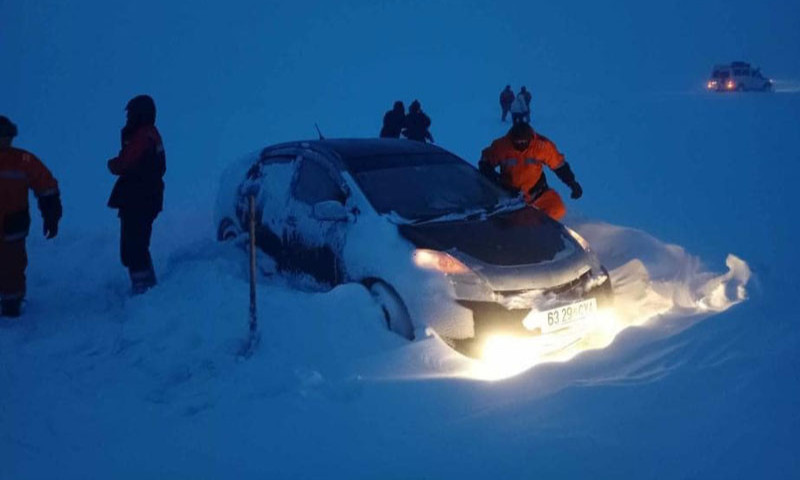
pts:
pixel 138 193
pixel 521 155
pixel 20 171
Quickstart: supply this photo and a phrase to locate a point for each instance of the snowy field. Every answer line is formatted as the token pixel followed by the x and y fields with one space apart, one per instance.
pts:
pixel 689 200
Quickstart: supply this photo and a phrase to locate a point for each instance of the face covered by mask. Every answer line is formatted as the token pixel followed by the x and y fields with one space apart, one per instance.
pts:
pixel 520 136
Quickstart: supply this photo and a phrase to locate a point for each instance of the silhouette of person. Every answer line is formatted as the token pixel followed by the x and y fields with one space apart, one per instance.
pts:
pixel 417 124
pixel 506 99
pixel 138 193
pixel 393 121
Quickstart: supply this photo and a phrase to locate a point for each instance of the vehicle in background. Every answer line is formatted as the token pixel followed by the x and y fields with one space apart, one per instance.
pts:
pixel 435 242
pixel 738 77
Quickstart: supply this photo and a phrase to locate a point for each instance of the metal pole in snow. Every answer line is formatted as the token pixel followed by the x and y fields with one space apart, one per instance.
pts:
pixel 253 318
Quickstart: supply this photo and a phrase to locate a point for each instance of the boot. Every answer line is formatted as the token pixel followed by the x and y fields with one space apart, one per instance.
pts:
pixel 11 307
pixel 142 281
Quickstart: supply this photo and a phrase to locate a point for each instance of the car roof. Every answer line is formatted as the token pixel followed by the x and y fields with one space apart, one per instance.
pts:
pixel 732 65
pixel 359 154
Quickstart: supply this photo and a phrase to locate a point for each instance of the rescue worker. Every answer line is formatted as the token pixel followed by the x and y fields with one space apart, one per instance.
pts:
pixel 506 99
pixel 138 193
pixel 521 155
pixel 417 124
pixel 520 113
pixel 19 171
pixel 393 121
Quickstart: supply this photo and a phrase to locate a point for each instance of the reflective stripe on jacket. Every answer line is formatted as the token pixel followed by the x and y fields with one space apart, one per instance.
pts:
pixel 522 169
pixel 21 171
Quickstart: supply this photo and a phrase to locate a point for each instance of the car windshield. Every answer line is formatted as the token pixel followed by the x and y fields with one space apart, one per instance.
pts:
pixel 721 74
pixel 420 191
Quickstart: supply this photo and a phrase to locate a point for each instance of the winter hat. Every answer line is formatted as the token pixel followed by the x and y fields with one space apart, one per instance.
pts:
pixel 520 132
pixel 398 105
pixel 415 106
pixel 7 129
pixel 142 110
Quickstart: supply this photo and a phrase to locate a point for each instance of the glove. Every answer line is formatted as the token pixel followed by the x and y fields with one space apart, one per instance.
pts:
pixel 50 228
pixel 50 206
pixel 565 174
pixel 577 191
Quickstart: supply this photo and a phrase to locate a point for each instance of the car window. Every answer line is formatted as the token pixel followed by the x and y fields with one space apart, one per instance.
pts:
pixel 257 170
pixel 421 191
pixel 316 184
pixel 721 74
pixel 269 180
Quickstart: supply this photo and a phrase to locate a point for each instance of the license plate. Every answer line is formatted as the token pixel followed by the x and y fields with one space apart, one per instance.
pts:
pixel 561 317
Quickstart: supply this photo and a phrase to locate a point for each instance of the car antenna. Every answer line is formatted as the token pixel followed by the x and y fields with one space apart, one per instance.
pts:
pixel 321 137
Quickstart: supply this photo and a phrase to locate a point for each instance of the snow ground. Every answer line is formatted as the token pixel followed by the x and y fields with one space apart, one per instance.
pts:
pixel 95 384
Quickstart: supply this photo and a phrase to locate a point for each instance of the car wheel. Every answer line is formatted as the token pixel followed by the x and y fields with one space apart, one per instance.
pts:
pixel 227 230
pixel 394 310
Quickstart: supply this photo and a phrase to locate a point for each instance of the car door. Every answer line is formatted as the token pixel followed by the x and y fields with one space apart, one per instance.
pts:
pixel 318 219
pixel 268 181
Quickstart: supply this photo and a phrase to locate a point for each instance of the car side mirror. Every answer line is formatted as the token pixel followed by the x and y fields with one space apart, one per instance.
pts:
pixel 331 210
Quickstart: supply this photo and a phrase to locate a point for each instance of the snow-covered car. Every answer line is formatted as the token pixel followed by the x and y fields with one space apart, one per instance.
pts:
pixel 738 76
pixel 437 244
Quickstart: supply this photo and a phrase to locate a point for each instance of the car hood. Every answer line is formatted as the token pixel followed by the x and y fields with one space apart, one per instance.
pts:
pixel 522 237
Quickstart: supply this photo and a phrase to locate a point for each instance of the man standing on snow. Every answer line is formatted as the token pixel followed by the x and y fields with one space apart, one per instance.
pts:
pixel 506 99
pixel 521 155
pixel 138 193
pixel 527 96
pixel 417 124
pixel 393 121
pixel 19 171
pixel 519 110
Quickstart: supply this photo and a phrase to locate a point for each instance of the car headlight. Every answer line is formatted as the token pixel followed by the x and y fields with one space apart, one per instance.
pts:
pixel 439 261
pixel 581 241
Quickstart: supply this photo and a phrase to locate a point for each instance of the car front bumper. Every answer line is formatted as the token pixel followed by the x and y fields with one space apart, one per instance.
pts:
pixel 504 313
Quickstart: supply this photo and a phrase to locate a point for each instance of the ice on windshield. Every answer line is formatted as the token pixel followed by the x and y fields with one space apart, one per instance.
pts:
pixel 419 192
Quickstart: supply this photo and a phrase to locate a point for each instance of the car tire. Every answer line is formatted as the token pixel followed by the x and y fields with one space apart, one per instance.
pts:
pixel 395 313
pixel 227 230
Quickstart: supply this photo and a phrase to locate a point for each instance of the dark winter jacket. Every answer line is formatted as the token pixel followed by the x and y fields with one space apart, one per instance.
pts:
pixel 393 122
pixel 527 96
pixel 141 165
pixel 506 98
pixel 417 124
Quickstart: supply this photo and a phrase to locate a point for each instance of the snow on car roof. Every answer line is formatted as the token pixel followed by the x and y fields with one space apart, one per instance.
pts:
pixel 359 154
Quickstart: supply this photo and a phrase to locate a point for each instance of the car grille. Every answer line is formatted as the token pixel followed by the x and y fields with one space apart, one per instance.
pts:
pixel 493 317
pixel 557 290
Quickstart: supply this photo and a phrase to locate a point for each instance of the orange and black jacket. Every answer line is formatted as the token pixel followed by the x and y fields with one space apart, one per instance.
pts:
pixel 20 171
pixel 522 170
pixel 140 165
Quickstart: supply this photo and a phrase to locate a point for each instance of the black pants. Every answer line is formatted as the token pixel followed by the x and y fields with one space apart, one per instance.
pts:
pixel 134 246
